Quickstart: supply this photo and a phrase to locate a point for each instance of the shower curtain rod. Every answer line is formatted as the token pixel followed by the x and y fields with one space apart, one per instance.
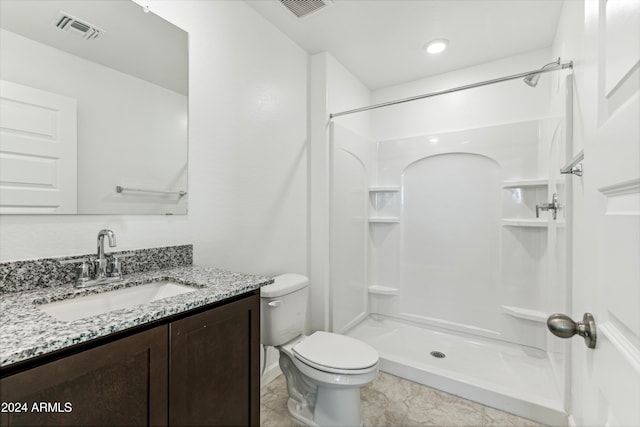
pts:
pixel 455 89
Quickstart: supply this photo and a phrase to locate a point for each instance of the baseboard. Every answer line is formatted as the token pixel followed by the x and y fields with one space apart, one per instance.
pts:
pixel 270 374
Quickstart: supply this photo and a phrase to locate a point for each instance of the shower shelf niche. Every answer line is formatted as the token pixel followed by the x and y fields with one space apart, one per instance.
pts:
pixel 384 189
pixel 385 204
pixel 525 183
pixel 526 192
pixel 525 222
pixel 517 222
pixel 383 220
pixel 383 290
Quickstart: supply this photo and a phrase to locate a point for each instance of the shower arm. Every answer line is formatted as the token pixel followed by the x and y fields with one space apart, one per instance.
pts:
pixel 548 69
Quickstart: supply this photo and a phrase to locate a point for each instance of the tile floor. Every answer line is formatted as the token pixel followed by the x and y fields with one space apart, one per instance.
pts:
pixel 392 401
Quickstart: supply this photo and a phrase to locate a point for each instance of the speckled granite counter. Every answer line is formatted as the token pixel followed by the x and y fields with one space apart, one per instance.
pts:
pixel 26 331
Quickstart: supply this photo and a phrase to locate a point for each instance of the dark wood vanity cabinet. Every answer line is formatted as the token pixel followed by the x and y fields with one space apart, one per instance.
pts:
pixel 201 369
pixel 214 374
pixel 122 383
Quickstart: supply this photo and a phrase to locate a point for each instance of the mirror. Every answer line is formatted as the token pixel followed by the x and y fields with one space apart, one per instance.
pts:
pixel 93 117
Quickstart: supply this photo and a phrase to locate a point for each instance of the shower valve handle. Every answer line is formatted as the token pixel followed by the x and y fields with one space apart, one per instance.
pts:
pixel 563 326
pixel 553 206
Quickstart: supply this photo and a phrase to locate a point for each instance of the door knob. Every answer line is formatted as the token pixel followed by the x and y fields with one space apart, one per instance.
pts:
pixel 563 326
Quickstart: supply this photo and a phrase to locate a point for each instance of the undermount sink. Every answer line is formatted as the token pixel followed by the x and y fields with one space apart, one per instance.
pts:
pixel 95 304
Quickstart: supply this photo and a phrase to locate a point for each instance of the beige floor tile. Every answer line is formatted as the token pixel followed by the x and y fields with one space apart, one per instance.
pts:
pixel 431 407
pixel 271 418
pixel 394 388
pixel 496 418
pixel 394 402
pixel 274 395
pixel 379 410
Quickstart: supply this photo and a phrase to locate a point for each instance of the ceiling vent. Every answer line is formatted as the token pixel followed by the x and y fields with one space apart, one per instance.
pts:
pixel 302 8
pixel 71 24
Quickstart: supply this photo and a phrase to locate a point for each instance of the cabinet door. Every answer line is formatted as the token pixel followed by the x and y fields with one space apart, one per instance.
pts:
pixel 214 373
pixel 122 383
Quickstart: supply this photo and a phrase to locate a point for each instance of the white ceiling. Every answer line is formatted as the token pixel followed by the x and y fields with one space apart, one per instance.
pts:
pixel 137 43
pixel 380 41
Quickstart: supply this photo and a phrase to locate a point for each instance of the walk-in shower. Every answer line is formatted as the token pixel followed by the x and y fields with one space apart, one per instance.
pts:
pixel 439 262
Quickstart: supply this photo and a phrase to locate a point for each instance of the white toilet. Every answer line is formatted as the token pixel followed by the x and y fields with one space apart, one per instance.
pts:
pixel 324 371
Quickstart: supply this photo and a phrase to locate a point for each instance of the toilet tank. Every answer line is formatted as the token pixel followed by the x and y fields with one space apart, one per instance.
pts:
pixel 283 309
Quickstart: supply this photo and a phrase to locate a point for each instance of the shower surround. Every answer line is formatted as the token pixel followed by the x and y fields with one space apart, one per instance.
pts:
pixel 435 247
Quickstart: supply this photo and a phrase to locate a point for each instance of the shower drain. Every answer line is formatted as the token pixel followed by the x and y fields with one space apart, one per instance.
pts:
pixel 438 354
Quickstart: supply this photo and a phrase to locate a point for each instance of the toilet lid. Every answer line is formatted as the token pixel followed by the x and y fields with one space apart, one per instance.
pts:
pixel 333 351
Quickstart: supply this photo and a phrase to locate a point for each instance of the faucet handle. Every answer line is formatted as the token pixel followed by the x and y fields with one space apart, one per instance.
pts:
pixel 115 269
pixel 85 270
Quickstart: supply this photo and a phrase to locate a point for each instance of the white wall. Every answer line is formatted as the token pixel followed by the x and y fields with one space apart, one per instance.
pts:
pixel 351 168
pixel 332 89
pixel 247 155
pixel 484 106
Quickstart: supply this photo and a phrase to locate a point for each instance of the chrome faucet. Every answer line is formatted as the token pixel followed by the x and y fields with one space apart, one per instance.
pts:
pixel 101 262
pixel 97 272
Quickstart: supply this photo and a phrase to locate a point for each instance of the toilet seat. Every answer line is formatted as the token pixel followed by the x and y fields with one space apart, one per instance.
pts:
pixel 336 353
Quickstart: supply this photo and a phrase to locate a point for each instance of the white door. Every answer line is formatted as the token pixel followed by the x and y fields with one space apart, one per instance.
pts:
pixel 608 377
pixel 37 151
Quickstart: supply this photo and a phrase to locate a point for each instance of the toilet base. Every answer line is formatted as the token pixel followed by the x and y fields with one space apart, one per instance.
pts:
pixel 301 413
pixel 320 398
pixel 334 407
pixel 338 407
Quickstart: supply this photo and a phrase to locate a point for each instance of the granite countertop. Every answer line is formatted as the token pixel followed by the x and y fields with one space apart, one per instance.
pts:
pixel 26 331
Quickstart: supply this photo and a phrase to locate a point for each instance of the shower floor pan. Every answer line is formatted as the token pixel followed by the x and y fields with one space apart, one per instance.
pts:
pixel 505 376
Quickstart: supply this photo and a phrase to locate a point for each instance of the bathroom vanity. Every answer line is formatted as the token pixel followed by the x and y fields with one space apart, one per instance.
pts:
pixel 190 359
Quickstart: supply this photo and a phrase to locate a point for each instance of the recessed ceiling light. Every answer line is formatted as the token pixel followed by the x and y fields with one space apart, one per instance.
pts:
pixel 436 46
